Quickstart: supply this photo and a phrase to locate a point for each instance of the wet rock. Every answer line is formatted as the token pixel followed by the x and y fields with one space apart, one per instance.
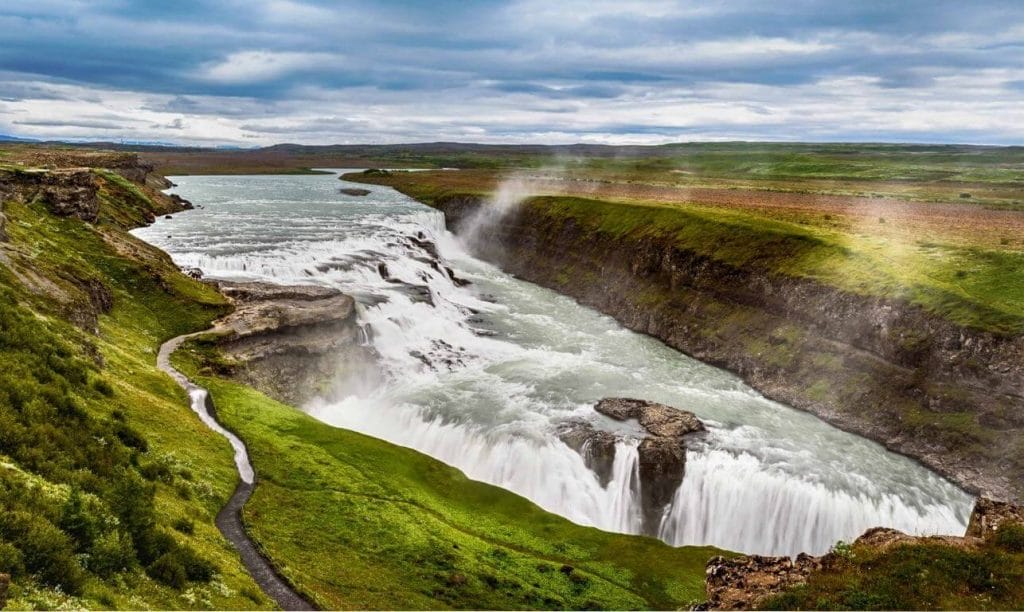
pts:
pixel 354 191
pixel 595 446
pixel 429 247
pixel 180 203
pixel 662 454
pixel 657 419
pixel 382 269
pixel 459 282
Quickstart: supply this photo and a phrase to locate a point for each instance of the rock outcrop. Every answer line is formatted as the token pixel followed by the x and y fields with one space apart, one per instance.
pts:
pixel 294 342
pixel 881 368
pixel 67 192
pixel 988 515
pixel 354 191
pixel 744 582
pixel 662 453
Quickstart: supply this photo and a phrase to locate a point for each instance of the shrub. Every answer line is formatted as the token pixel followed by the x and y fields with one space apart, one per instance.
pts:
pixel 12 562
pixel 965 195
pixel 77 522
pixel 1010 538
pixel 47 551
pixel 103 387
pixel 130 438
pixel 157 471
pixel 184 525
pixel 112 552
pixel 168 570
pixel 196 567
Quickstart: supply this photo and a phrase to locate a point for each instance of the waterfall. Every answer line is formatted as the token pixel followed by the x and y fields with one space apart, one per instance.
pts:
pixel 481 376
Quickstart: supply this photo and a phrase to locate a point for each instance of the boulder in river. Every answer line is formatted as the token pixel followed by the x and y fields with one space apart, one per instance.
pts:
pixel 354 191
pixel 662 453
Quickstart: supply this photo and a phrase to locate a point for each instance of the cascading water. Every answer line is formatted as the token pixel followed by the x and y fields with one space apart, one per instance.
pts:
pixel 479 376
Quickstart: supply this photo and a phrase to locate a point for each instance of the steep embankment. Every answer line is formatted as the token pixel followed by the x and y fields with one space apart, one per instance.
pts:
pixel 724 290
pixel 108 484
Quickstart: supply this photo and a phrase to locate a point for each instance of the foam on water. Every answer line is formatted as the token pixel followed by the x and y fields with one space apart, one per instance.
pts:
pixel 478 376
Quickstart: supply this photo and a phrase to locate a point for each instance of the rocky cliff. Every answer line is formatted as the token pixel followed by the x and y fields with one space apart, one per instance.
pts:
pixel 293 343
pixel 950 396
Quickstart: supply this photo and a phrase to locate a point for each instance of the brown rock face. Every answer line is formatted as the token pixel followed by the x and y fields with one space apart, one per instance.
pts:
pixel 294 342
pixel 988 515
pixel 743 582
pixel 662 454
pixel 72 193
pixel 68 192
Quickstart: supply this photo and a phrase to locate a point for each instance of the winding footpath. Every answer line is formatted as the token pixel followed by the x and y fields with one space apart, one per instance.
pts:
pixel 229 519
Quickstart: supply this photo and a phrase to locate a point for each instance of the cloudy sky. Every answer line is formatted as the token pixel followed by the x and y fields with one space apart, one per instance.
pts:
pixel 256 72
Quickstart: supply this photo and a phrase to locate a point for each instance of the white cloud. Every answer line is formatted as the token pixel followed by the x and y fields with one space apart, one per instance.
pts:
pixel 259 66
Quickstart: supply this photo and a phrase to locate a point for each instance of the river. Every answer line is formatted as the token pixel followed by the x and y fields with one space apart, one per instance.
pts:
pixel 479 376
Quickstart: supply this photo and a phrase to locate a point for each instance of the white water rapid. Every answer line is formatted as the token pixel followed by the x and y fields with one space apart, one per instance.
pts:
pixel 480 375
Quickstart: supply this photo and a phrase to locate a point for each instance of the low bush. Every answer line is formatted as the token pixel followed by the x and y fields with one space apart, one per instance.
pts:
pixel 1010 538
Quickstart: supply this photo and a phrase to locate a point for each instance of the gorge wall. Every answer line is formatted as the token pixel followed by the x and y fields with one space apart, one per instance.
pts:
pixel 950 396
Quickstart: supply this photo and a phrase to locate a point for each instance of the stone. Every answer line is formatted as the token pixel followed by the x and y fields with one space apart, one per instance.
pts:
pixel 354 191
pixel 662 454
pixel 657 419
pixel 595 446
pixel 989 514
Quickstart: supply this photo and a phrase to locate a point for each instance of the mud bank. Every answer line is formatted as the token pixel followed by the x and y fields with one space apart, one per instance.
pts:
pixel 949 396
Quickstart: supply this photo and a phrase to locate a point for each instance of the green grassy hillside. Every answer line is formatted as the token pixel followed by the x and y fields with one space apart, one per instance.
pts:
pixel 108 483
pixel 359 523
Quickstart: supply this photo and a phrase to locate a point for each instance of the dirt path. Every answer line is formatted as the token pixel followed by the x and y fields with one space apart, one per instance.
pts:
pixel 229 519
